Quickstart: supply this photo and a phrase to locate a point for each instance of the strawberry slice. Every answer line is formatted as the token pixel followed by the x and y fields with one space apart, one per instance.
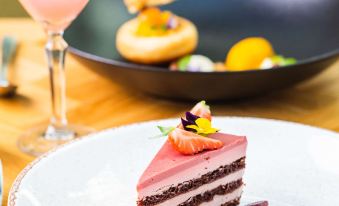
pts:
pixel 202 110
pixel 189 143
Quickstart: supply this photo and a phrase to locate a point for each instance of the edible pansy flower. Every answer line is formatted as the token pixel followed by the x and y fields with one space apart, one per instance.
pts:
pixel 190 120
pixel 191 136
pixel 203 127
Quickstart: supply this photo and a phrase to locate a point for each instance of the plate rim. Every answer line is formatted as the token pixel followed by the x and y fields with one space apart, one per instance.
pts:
pixel 11 200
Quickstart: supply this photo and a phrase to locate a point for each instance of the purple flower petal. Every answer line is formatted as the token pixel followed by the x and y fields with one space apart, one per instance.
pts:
pixel 191 117
pixel 190 120
pixel 185 123
pixel 172 23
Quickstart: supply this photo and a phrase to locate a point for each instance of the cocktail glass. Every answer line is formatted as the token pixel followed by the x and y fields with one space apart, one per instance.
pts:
pixel 55 16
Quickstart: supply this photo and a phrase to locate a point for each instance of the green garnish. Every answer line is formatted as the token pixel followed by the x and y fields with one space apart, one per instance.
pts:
pixel 282 61
pixel 289 61
pixel 165 130
pixel 183 62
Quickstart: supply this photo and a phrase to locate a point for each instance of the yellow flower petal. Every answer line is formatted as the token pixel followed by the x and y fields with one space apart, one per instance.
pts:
pixel 203 123
pixel 203 127
pixel 211 131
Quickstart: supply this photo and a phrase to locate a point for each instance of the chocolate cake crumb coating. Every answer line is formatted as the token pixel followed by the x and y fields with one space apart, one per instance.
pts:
pixel 190 185
pixel 232 203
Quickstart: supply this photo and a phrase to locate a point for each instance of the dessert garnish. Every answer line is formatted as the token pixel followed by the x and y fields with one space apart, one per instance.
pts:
pixel 249 53
pixel 261 203
pixel 202 110
pixel 190 120
pixel 255 53
pixel 220 67
pixel 199 125
pixel 193 63
pixel 189 143
pixel 134 6
pixel 154 22
pixel 277 61
pixel 191 136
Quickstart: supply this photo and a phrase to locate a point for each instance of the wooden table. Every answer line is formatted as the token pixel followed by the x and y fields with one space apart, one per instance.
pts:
pixel 99 103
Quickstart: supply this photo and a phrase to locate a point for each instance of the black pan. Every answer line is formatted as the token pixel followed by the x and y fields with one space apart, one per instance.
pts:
pixel 305 29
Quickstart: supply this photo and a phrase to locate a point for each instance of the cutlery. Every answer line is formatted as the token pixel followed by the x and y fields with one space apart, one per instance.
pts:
pixel 8 49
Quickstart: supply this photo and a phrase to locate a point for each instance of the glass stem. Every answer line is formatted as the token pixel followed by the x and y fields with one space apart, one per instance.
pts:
pixel 56 48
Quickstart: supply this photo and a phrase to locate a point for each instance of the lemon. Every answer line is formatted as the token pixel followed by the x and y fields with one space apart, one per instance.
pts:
pixel 248 54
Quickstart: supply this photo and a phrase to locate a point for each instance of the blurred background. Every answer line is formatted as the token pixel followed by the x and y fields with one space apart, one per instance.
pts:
pixel 11 8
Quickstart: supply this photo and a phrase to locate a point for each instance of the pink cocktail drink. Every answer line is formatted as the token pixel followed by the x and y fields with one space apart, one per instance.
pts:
pixel 56 15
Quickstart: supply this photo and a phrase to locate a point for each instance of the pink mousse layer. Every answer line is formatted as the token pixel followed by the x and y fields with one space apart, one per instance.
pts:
pixel 168 163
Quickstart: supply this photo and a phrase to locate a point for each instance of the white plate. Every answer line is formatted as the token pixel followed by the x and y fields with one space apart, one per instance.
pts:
pixel 287 164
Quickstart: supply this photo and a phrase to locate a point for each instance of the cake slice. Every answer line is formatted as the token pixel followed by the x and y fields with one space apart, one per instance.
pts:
pixel 211 175
pixel 208 178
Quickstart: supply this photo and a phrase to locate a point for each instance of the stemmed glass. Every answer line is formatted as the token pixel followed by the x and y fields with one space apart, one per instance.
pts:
pixel 55 16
